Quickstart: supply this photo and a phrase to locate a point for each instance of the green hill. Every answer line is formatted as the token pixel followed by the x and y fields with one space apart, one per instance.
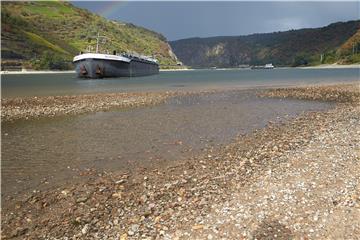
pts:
pixel 338 42
pixel 47 35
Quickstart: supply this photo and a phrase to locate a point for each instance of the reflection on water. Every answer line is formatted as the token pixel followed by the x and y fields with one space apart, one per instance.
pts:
pixel 122 140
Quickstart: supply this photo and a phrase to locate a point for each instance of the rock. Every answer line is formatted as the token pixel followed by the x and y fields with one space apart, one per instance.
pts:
pixel 147 213
pixel 121 181
pixel 134 228
pixel 143 199
pixel 197 227
pixel 117 195
pixel 81 199
pixel 19 232
pixel 85 229
pixel 123 236
pixel 65 192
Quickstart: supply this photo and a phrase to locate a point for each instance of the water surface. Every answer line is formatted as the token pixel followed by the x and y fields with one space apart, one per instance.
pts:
pixel 49 149
pixel 41 150
pixel 67 83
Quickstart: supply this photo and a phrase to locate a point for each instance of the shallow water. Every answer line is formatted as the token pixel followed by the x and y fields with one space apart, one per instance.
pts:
pixel 143 137
pixel 67 83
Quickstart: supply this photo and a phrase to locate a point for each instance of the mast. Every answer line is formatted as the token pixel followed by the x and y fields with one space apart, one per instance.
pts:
pixel 97 43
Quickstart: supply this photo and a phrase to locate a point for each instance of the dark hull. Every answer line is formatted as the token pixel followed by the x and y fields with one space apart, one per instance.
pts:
pixel 100 68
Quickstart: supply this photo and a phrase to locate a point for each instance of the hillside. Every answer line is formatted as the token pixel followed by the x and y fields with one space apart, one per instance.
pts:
pixel 291 48
pixel 47 35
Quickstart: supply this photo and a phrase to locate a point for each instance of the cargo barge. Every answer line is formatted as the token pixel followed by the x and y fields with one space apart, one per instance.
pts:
pixel 99 65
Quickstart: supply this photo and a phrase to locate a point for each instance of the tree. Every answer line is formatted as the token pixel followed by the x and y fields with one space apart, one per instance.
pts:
pixel 50 60
pixel 300 60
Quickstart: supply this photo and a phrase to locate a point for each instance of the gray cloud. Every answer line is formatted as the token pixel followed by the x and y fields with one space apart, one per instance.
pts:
pixel 178 20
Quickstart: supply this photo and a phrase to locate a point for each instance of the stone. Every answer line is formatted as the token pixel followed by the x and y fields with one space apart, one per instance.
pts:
pixel 197 227
pixel 81 199
pixel 124 236
pixel 85 229
pixel 117 195
pixel 134 228
pixel 19 231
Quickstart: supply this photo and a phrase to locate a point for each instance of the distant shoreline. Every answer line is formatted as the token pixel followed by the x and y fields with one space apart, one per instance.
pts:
pixel 331 66
pixel 70 71
pixel 35 72
pixel 176 69
pixel 323 66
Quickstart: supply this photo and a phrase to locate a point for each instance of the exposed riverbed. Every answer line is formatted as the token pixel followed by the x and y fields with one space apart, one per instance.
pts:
pixel 295 179
pixel 44 152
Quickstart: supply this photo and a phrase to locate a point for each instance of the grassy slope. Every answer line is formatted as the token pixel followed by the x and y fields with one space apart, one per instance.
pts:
pixel 295 47
pixel 31 30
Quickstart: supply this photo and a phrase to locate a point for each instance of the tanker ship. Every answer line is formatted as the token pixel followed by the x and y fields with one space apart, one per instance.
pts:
pixel 100 65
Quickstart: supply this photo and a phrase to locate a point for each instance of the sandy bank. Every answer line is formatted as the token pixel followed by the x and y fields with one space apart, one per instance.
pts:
pixel 331 66
pixel 175 70
pixel 297 179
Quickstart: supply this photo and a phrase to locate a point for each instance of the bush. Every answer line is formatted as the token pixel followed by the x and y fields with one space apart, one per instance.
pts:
pixel 329 57
pixel 52 61
pixel 300 60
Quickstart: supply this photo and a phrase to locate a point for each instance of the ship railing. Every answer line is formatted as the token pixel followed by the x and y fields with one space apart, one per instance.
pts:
pixel 139 56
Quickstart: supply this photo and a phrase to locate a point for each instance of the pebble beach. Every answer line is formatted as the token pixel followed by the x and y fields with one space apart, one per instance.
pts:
pixel 50 106
pixel 297 179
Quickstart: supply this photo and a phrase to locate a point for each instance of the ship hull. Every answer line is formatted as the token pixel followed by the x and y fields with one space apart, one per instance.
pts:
pixel 102 68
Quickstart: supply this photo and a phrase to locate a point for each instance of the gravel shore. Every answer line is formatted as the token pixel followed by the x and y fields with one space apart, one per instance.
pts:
pixel 49 106
pixel 297 179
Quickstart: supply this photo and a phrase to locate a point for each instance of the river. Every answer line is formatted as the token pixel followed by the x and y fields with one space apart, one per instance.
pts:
pixel 50 151
pixel 14 85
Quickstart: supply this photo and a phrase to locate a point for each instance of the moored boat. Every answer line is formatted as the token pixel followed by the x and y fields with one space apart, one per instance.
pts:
pixel 266 66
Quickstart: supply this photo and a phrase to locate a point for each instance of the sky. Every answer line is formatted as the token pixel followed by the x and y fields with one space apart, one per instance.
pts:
pixel 185 19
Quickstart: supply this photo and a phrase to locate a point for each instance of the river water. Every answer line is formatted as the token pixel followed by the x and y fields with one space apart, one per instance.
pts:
pixel 64 84
pixel 49 150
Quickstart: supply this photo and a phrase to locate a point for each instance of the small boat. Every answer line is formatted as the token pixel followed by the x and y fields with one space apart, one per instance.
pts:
pixel 269 66
pixel 266 66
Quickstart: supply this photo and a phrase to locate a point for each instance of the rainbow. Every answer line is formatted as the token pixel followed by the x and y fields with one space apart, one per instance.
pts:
pixel 110 9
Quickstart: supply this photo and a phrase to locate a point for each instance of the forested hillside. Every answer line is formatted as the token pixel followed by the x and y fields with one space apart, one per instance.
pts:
pixel 47 35
pixel 337 42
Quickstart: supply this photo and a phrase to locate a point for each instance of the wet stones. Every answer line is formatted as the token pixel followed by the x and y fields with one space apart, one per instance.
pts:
pixel 344 93
pixel 50 106
pixel 260 185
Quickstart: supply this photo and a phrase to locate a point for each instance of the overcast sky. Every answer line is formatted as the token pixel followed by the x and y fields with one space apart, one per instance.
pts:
pixel 177 20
